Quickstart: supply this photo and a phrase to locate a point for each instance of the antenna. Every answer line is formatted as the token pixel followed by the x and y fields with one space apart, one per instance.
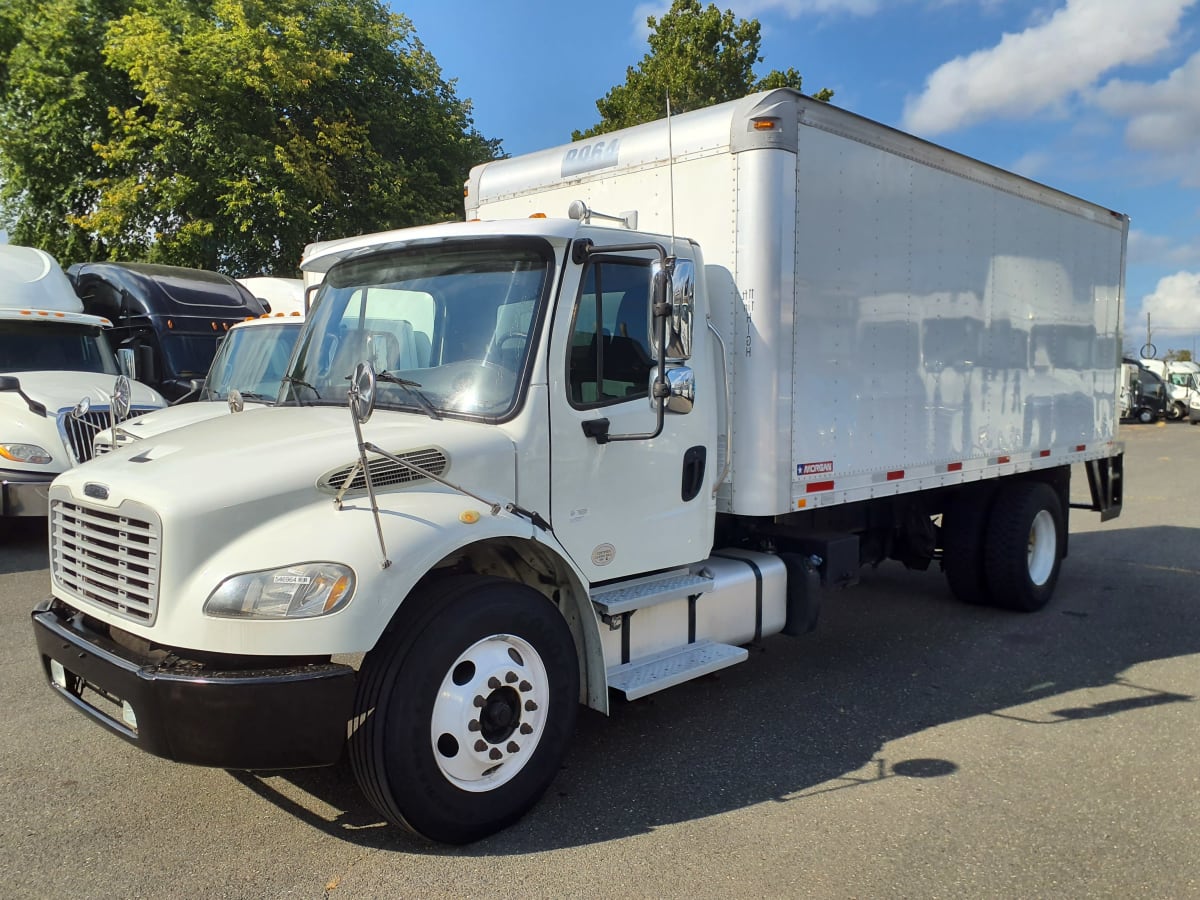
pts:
pixel 670 173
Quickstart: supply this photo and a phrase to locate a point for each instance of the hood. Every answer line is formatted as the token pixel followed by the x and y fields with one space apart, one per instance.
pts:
pixel 168 419
pixel 265 462
pixel 62 390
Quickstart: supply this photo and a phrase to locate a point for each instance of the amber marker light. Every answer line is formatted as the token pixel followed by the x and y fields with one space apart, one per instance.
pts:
pixel 468 516
pixel 764 124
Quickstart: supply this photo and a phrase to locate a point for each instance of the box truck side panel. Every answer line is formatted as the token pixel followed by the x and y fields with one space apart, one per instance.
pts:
pixel 945 319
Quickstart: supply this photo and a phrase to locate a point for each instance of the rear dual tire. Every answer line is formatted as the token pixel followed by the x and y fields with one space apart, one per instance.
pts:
pixel 1006 553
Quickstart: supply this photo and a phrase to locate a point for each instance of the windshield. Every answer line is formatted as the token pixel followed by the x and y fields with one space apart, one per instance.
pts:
pixel 253 359
pixel 54 347
pixel 452 321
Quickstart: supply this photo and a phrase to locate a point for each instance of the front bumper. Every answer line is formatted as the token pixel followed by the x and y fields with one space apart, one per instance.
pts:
pixel 287 717
pixel 24 494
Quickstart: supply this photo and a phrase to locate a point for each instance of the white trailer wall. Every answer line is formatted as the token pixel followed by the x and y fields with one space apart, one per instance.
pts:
pixel 898 316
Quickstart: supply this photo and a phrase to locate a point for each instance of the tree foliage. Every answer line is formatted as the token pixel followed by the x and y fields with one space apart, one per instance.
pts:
pixel 222 134
pixel 699 55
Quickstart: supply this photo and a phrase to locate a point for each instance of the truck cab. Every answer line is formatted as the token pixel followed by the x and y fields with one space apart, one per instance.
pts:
pixel 246 373
pixel 58 377
pixel 170 317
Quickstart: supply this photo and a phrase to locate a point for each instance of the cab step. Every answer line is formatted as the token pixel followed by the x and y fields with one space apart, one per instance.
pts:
pixel 618 599
pixel 660 671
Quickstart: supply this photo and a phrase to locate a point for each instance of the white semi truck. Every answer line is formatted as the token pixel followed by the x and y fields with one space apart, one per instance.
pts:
pixel 246 373
pixel 58 379
pixel 526 461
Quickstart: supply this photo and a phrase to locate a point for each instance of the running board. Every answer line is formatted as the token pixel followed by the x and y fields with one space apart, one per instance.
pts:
pixel 660 671
pixel 628 596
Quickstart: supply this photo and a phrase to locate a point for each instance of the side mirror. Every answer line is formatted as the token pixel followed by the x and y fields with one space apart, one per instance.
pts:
pixel 678 288
pixel 126 362
pixel 681 388
pixel 362 392
pixel 122 399
pixel 236 403
pixel 148 372
pixel 309 293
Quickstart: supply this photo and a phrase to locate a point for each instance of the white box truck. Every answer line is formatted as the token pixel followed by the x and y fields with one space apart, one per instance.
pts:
pixel 525 461
pixel 58 379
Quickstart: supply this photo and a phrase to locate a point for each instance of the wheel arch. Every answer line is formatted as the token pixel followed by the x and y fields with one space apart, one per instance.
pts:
pixel 541 567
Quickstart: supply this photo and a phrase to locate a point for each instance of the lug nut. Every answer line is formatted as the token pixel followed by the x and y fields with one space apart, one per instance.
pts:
pixel 479 701
pixel 495 754
pixel 526 728
pixel 530 706
pixel 493 682
pixel 510 677
pixel 524 687
pixel 473 725
pixel 480 746
pixel 512 747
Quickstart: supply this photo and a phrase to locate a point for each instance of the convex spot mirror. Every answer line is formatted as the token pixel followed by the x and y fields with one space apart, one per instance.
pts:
pixel 122 398
pixel 679 289
pixel 681 385
pixel 362 391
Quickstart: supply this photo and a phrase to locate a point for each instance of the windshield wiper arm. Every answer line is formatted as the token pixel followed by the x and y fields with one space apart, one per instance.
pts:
pixel 300 381
pixel 413 388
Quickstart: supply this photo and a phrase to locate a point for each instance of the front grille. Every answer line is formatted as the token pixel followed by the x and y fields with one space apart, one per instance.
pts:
pixel 386 473
pixel 79 431
pixel 108 558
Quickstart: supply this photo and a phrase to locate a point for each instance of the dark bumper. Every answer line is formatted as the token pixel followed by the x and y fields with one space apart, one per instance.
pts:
pixel 24 494
pixel 281 718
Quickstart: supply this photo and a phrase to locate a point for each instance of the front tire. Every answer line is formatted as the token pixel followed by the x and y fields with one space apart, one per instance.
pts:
pixel 465 711
pixel 1145 415
pixel 1177 411
pixel 1025 543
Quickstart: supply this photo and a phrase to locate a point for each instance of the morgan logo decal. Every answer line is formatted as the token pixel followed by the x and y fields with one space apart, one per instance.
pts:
pixel 815 468
pixel 95 491
pixel 589 157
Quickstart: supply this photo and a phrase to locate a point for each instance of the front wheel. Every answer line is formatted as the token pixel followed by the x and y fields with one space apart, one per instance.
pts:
pixel 1025 542
pixel 1177 411
pixel 1145 415
pixel 464 713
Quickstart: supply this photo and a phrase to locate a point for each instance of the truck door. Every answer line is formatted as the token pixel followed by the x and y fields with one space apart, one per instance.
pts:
pixel 623 507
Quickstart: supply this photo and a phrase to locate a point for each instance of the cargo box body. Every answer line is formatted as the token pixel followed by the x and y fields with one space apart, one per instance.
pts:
pixel 897 316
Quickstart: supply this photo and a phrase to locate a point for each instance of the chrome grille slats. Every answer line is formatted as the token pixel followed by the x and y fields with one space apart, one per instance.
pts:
pixel 108 558
pixel 78 432
pixel 386 473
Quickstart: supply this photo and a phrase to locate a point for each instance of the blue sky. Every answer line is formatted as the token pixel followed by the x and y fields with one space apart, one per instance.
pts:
pixel 1100 98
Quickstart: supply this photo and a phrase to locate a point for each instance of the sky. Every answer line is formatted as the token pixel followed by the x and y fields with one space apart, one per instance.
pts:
pixel 1099 98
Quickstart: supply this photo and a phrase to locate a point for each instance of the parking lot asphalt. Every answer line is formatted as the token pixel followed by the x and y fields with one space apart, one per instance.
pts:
pixel 911 747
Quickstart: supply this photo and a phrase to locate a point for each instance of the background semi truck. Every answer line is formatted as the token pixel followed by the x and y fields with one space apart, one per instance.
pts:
pixel 171 317
pixel 52 357
pixel 530 459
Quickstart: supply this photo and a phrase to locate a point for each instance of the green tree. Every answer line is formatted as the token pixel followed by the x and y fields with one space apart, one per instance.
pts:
pixel 225 134
pixel 1178 356
pixel 701 56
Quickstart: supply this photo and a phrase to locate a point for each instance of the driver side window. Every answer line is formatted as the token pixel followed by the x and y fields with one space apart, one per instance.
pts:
pixel 609 359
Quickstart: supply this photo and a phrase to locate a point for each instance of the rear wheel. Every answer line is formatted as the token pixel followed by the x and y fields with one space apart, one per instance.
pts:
pixel 964 529
pixel 1145 415
pixel 1024 549
pixel 465 713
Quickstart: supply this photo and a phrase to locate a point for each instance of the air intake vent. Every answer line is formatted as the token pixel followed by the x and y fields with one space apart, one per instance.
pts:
pixel 386 473
pixel 107 558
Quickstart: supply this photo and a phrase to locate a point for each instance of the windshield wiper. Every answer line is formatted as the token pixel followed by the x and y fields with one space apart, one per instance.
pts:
pixel 300 381
pixel 254 395
pixel 413 388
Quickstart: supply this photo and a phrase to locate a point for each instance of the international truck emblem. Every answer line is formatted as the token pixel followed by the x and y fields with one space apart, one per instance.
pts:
pixel 95 491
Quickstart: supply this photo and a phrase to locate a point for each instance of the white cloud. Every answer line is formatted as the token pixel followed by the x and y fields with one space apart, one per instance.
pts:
pixel 1163 117
pixel 1175 304
pixel 1156 249
pixel 1043 66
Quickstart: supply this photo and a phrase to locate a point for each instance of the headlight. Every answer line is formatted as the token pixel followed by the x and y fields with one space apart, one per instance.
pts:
pixel 294 592
pixel 25 453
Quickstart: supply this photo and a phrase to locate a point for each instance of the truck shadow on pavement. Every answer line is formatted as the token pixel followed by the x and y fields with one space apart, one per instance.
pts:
pixel 25 543
pixel 805 716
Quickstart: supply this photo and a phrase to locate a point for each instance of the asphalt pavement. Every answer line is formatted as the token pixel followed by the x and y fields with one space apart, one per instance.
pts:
pixel 911 747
